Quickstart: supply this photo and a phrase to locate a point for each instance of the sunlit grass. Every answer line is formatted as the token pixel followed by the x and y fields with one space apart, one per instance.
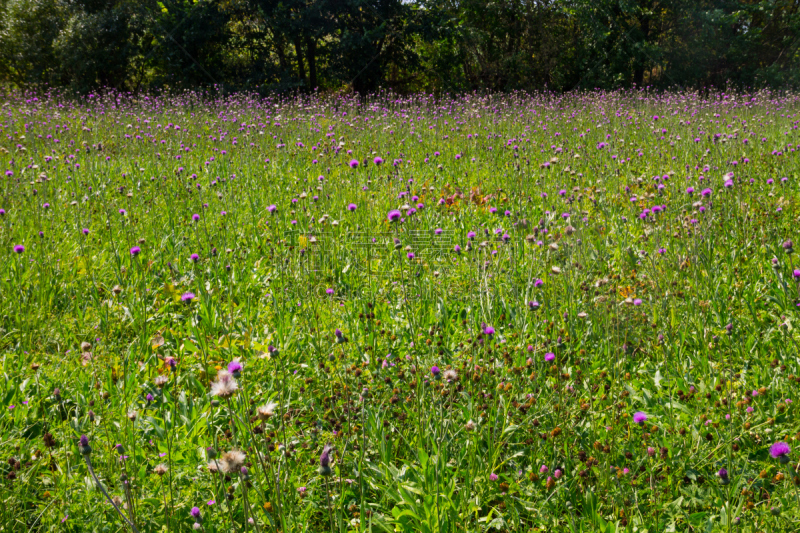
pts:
pixel 511 312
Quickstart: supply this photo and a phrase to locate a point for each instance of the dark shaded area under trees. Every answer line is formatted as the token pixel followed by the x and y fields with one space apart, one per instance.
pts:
pixel 423 45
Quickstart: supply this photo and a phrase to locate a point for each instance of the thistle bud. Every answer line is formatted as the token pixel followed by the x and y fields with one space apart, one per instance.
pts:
pixel 325 461
pixel 85 449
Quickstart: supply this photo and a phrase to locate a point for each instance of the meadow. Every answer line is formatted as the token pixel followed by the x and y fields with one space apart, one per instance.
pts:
pixel 519 312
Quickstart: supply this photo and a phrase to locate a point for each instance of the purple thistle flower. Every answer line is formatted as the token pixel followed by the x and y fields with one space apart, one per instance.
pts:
pixel 194 258
pixel 187 297
pixel 19 248
pixel 195 512
pixel 84 440
pixel 235 368
pixel 196 217
pixel 435 371
pixel 351 207
pixel 780 450
pixel 533 305
pixel 325 457
pixel 488 330
pixel 377 161
pixel 639 418
pixel 354 163
pixel 135 251
pixel 411 256
pixel 492 477
pixel 549 356
pixel 394 215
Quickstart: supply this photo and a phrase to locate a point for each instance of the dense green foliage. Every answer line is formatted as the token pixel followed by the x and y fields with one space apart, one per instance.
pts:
pixel 503 313
pixel 423 45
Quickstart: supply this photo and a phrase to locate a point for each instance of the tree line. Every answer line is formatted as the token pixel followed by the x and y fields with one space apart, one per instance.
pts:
pixel 405 45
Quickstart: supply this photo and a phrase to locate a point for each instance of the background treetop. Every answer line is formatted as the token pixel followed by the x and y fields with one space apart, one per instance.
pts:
pixel 424 45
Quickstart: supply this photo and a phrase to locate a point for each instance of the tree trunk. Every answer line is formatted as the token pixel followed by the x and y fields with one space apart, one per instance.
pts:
pixel 311 46
pixel 280 51
pixel 301 68
pixel 638 74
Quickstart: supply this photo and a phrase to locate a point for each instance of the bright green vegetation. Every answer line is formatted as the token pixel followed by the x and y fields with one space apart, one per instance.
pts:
pixel 603 257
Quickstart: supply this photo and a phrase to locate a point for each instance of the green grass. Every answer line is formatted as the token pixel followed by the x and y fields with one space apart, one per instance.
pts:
pixel 681 315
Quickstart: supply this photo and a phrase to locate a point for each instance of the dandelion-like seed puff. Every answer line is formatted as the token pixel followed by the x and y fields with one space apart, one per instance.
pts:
pixel 225 385
pixel 232 462
pixel 266 411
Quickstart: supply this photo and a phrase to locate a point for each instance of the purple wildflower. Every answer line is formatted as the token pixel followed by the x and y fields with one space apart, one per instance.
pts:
pixel 235 368
pixel 780 450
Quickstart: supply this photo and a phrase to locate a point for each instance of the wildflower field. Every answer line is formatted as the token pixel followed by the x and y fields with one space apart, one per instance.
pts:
pixel 415 314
